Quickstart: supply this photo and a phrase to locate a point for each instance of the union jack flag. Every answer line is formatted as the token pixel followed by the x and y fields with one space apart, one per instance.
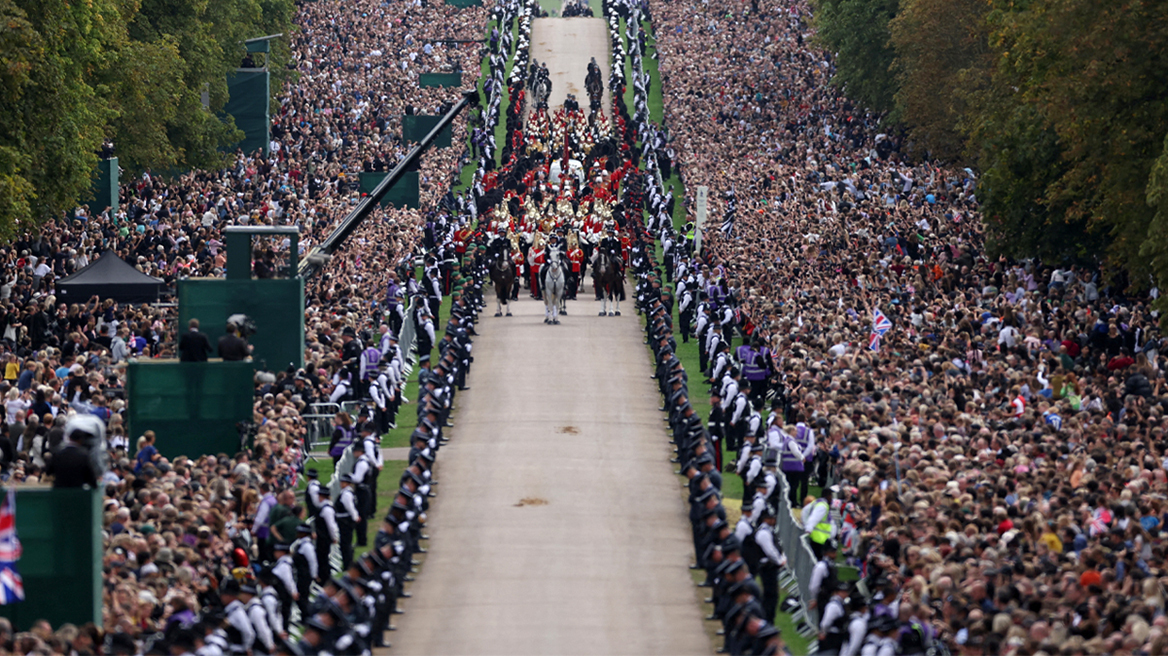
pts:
pixel 880 323
pixel 874 341
pixel 11 585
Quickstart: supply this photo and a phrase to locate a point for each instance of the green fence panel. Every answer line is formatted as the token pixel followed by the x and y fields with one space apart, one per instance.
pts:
pixel 192 407
pixel 60 533
pixel 105 187
pixel 402 194
pixel 465 3
pixel 276 305
pixel 440 80
pixel 249 95
pixel 415 128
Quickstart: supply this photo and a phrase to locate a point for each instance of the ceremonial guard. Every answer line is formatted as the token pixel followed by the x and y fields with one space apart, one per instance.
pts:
pixel 576 259
pixel 536 260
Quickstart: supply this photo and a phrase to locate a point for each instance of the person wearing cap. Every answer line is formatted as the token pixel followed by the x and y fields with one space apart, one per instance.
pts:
pixel 347 517
pixel 424 331
pixel 833 623
pixel 382 393
pixel 362 476
pixel 351 349
pixel 270 600
pixel 304 565
pixel 768 559
pixel 328 533
pixel 880 641
pixel 857 625
pixel 265 638
pixel 824 575
pixel 312 495
pixel 818 522
pixel 285 581
pixel 241 634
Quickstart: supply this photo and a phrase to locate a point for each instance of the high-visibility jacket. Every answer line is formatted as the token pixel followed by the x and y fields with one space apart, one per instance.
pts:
pixel 822 531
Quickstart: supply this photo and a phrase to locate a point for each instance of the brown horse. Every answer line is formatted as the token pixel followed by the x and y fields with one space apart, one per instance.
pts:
pixel 609 281
pixel 502 275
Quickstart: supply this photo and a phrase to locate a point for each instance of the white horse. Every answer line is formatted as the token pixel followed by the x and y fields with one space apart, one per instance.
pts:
pixel 553 285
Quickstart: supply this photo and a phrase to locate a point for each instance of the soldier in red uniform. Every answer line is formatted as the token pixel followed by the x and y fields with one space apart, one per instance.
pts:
pixel 576 258
pixel 535 260
pixel 517 258
pixel 461 239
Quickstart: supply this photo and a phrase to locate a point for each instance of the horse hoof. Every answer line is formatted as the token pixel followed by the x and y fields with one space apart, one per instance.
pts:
pixel 556 321
pixel 618 313
pixel 611 314
pixel 508 314
pixel 601 314
pixel 546 321
pixel 498 314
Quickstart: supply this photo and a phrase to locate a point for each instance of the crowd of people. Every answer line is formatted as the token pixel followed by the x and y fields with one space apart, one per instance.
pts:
pixel 193 546
pixel 988 432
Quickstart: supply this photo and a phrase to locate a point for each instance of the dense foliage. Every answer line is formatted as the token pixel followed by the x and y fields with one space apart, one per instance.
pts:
pixel 1059 104
pixel 74 74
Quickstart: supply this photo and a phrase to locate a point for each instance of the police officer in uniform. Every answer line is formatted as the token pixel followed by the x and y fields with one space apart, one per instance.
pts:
pixel 305 566
pixel 240 633
pixel 284 581
pixel 824 576
pixel 265 639
pixel 348 516
pixel 328 533
pixel 834 621
pixel 312 493
pixel 362 476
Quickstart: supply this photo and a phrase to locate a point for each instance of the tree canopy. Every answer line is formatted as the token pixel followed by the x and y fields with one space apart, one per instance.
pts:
pixel 73 75
pixel 1060 105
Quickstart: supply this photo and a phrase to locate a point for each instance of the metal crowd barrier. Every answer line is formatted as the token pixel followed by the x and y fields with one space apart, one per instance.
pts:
pixel 801 561
pixel 319 421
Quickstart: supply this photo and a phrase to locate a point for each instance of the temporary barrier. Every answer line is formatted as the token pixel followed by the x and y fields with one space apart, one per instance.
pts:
pixel 60 563
pixel 800 561
pixel 440 80
pixel 193 407
pixel 415 128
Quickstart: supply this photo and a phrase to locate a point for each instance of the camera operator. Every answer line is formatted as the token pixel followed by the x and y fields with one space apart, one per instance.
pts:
pixel 79 462
pixel 232 347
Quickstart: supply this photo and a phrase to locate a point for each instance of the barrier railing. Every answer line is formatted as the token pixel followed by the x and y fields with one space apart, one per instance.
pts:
pixel 800 562
pixel 319 422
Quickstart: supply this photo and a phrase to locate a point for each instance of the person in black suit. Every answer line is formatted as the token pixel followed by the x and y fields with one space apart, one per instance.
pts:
pixel 194 345
pixel 232 347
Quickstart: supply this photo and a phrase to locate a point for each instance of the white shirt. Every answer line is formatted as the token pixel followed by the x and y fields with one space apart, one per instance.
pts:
pixel 857 629
pixel 818 573
pixel 237 616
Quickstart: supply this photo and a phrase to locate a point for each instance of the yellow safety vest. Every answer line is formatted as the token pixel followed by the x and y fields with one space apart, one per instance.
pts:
pixel 822 530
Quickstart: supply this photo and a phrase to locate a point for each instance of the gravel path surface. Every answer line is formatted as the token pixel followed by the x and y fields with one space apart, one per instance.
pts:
pixel 566 45
pixel 559 527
